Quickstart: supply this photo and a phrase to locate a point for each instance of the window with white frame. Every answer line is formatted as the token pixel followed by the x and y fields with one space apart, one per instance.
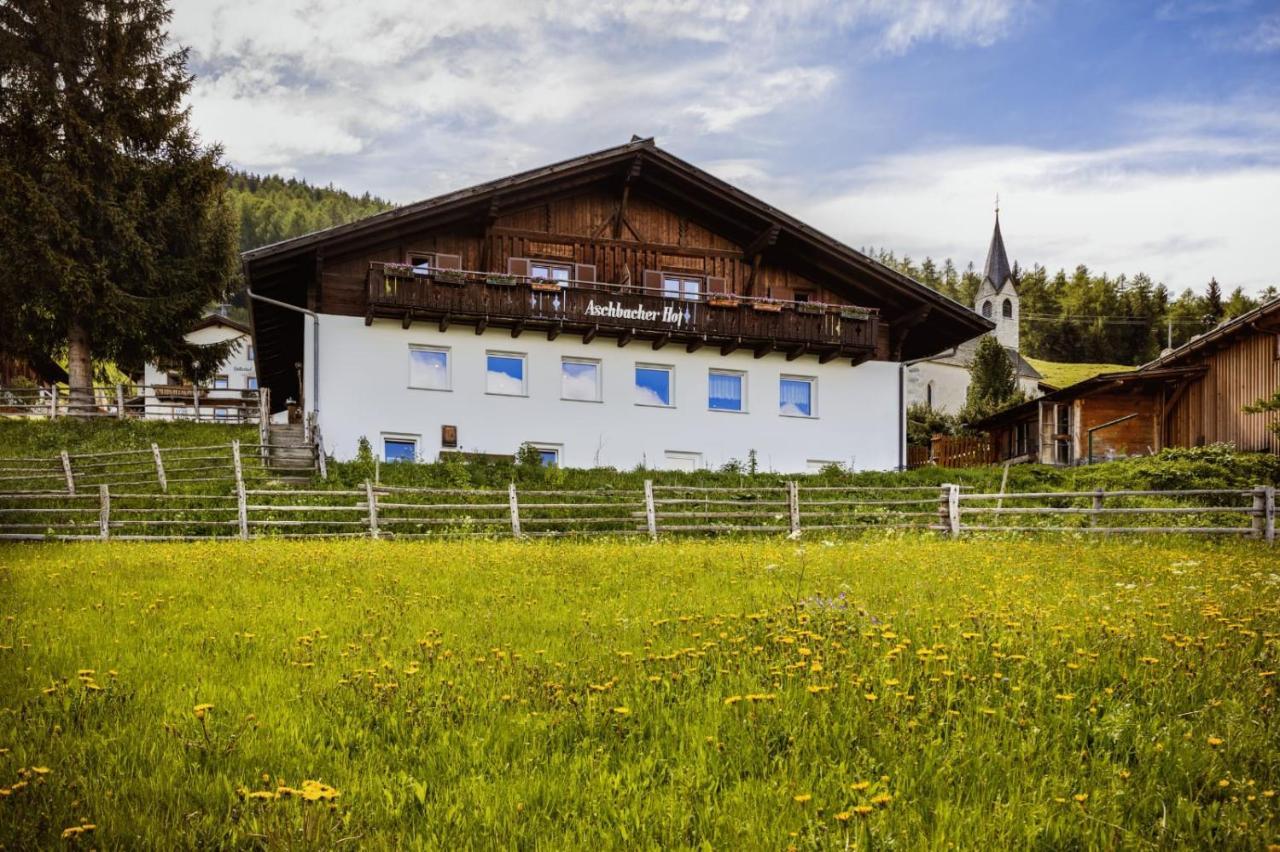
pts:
pixel 222 413
pixel 682 460
pixel 396 448
pixel 506 374
pixel 580 379
pixel 681 287
pixel 251 382
pixel 430 368
pixel 654 385
pixel 561 273
pixel 726 390
pixel 796 396
pixel 221 382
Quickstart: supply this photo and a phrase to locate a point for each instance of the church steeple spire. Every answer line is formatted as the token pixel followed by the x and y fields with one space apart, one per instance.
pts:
pixel 997 269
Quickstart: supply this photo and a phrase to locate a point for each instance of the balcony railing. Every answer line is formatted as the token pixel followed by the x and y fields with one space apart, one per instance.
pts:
pixel 518 302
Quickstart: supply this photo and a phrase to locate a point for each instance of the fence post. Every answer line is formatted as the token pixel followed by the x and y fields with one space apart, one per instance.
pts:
pixel 235 462
pixel 195 398
pixel 1260 512
pixel 373 508
pixel 104 512
pixel 66 470
pixel 650 516
pixel 515 510
pixel 119 401
pixel 793 504
pixel 242 511
pixel 264 422
pixel 1269 527
pixel 1098 497
pixel 53 404
pixel 164 482
pixel 949 509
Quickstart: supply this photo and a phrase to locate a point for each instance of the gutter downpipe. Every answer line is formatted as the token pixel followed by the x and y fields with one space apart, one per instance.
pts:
pixel 902 400
pixel 315 342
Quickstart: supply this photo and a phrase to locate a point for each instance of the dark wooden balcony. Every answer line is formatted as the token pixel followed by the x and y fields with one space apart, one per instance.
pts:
pixel 626 313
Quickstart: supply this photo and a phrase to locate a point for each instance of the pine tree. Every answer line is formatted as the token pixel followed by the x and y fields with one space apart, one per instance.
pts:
pixel 114 231
pixel 1214 309
pixel 993 383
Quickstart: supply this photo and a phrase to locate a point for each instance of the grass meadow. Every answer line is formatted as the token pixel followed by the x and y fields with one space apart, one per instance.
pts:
pixel 878 693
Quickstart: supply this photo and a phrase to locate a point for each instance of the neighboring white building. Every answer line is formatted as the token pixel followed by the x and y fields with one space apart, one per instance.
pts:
pixel 942 382
pixel 622 308
pixel 232 393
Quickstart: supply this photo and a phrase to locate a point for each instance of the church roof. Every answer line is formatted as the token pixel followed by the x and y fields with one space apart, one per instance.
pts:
pixel 997 269
pixel 962 356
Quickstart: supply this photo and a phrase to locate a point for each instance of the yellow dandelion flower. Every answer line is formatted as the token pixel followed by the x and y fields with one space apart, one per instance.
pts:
pixel 732 700
pixel 1081 797
pixel 881 799
pixel 802 798
pixel 1224 783
pixel 621 711
pixel 1215 741
pixel 1151 661
pixel 843 816
pixel 201 710
pixel 870 696
pixel 863 810
pixel 1065 696
pixel 859 786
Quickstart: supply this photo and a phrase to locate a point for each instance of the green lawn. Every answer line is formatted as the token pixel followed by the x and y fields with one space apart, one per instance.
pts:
pixel 905 692
pixel 1060 374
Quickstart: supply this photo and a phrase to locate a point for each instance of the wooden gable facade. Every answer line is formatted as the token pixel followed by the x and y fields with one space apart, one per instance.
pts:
pixel 1191 396
pixel 617 226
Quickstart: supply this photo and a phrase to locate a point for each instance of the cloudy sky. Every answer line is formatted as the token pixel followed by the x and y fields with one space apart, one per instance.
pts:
pixel 1129 136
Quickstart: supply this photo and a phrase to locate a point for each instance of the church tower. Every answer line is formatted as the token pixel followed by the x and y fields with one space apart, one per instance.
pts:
pixel 997 298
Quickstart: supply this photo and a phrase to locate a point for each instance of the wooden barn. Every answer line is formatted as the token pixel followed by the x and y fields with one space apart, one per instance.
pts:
pixel 1188 397
pixel 696 322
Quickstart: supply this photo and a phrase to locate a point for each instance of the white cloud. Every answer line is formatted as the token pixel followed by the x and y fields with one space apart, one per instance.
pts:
pixel 581 385
pixel 302 81
pixel 1182 207
pixel 503 383
pixel 648 396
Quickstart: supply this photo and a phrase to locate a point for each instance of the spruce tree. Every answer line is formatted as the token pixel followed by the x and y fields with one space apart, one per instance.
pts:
pixel 1214 309
pixel 114 231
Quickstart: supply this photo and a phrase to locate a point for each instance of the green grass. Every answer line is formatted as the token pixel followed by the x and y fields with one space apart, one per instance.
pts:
pixel 735 694
pixel 30 438
pixel 1059 374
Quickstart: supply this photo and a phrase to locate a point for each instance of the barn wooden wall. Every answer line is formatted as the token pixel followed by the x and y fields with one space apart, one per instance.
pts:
pixel 1242 371
pixel 1134 437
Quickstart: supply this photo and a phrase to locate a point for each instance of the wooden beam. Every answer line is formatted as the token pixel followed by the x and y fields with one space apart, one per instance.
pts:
pixel 407 319
pixel 901 326
pixel 731 346
pixel 626 336
pixel 828 356
pixel 860 358
pixel 797 352
pixel 482 325
pixel 621 215
pixel 762 241
pixel 368 318
pixel 486 238
pixel 661 341
pixel 444 323
pixel 517 329
pixel 695 344
pixel 762 349
pixel 590 334
pixel 554 331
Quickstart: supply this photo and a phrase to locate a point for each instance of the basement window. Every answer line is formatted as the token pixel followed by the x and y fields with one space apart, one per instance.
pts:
pixel 399 448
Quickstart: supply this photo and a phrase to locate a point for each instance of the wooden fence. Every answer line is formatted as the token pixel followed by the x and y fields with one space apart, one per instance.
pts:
pixel 152 402
pixel 156 467
pixel 793 509
pixel 953 451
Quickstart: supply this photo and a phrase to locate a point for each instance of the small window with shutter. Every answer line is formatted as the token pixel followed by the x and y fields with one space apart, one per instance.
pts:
pixel 561 273
pixel 673 286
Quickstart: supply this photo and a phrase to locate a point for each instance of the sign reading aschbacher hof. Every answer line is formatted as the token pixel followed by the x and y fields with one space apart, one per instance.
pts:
pixel 669 314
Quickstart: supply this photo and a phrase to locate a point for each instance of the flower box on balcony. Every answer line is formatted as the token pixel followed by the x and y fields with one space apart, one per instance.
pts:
pixel 542 285
pixel 810 308
pixel 722 300
pixel 397 270
pixel 767 307
pixel 851 312
pixel 452 277
pixel 502 280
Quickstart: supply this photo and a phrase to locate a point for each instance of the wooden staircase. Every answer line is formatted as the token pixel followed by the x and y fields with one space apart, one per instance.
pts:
pixel 290 456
